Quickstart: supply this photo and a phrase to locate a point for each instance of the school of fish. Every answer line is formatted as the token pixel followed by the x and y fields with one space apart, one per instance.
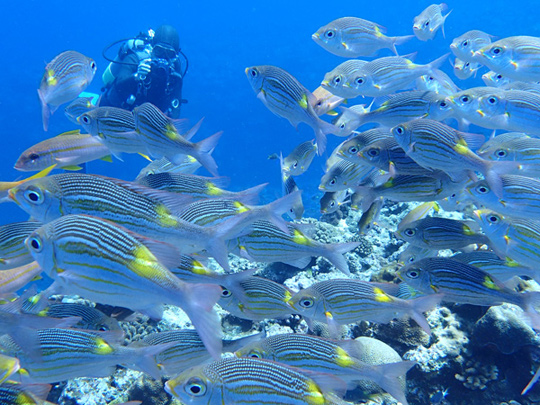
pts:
pixel 144 244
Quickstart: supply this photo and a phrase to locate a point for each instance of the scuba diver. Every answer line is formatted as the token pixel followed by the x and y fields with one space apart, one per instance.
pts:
pixel 148 68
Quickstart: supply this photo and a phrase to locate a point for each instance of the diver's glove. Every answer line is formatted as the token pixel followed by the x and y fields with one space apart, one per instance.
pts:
pixel 144 68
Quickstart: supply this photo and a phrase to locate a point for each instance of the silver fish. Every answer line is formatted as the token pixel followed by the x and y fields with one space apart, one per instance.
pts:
pixel 282 94
pixel 243 381
pixel 464 70
pixel 437 146
pixel 428 22
pixel 407 106
pixel 352 37
pixel 344 175
pixel 511 110
pixel 299 160
pixel 335 80
pixel 13 253
pixel 197 186
pixel 189 165
pixel 520 196
pixel 78 107
pixel 494 79
pixel 511 238
pixel 517 58
pixel 350 119
pixel 345 301
pixel 387 155
pixel 267 243
pixel 332 200
pixel 106 263
pixel 441 233
pixel 162 138
pixel 67 75
pixel 387 75
pixel 464 46
pixel 463 283
pixel 441 83
pixel 328 356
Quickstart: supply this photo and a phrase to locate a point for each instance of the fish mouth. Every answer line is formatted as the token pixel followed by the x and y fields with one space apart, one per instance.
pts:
pixel 316 36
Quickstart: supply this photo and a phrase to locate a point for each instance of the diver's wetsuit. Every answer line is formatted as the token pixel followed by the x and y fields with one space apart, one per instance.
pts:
pixel 162 87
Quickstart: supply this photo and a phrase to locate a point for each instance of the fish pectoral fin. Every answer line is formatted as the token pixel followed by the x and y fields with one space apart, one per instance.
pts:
pixel 333 326
pixel 72 167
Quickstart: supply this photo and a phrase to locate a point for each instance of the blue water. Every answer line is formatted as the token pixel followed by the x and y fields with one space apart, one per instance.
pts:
pixel 220 40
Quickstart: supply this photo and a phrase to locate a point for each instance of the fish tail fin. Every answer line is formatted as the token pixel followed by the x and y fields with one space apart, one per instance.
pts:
pixel 435 65
pixel 419 306
pixel 250 195
pixel 223 231
pixel 200 300
pixel 323 128
pixel 273 211
pixel 493 172
pixel 334 254
pixel 45 111
pixel 204 155
pixel 145 359
pixel 399 41
pixel 444 20
pixel 532 382
pixel 530 301
pixel 387 377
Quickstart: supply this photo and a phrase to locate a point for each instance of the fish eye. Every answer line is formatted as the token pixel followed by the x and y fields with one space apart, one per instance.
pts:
pixel 494 219
pixel 443 104
pixel 295 165
pixel 306 302
pixel 35 244
pixel 374 152
pixel 34 196
pixel 254 354
pixel 492 100
pixel 103 328
pixel 333 181
pixel 337 80
pixel 353 150
pixel 482 189
pixel 499 77
pixel 93 65
pixel 342 125
pixel 400 130
pixel 33 157
pixel 464 99
pixel 85 119
pixel 501 153
pixel 496 50
pixel 426 24
pixel 332 203
pixel 359 80
pixel 225 293
pixel 330 34
pixel 465 43
pixel 195 386
pixel 413 273
pixel 253 72
pixel 409 232
pixel 467 65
